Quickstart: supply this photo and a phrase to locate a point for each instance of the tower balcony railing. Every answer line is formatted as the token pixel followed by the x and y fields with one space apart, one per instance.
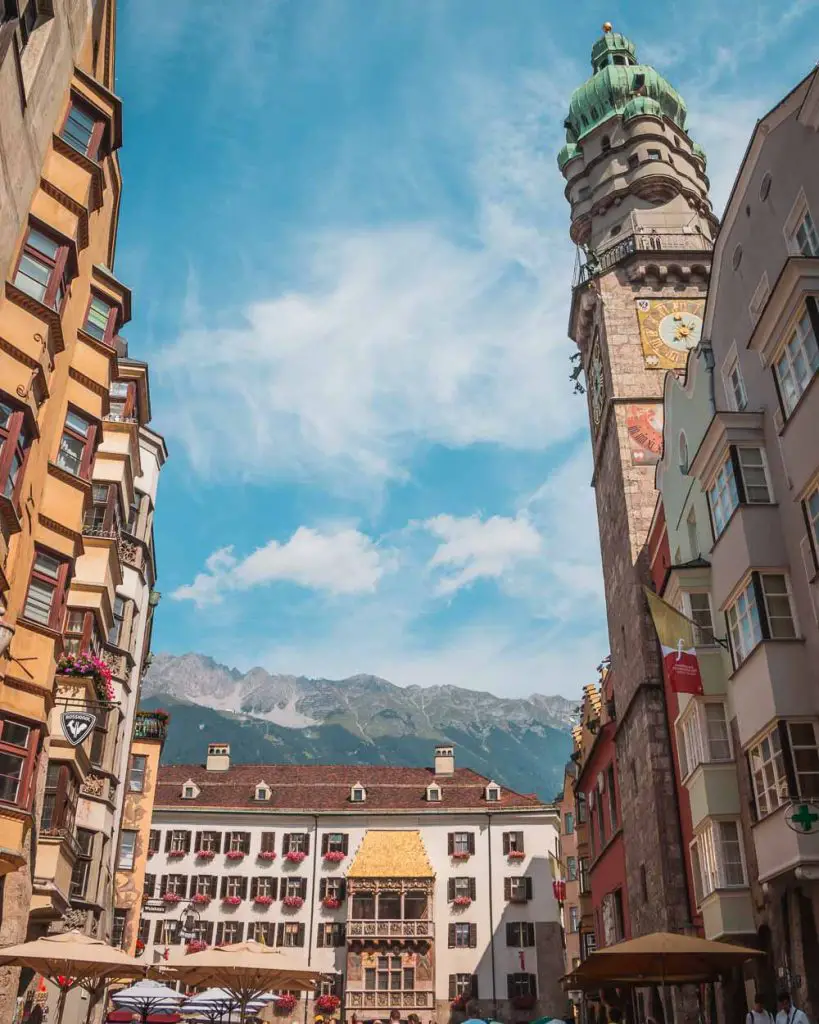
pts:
pixel 389 929
pixel 150 725
pixel 640 241
pixel 381 1000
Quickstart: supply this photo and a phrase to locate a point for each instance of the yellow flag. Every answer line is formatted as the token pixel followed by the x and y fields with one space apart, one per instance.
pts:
pixel 677 642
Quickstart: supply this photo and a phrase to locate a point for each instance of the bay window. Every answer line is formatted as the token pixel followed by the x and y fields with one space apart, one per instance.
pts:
pixel 784 765
pixel 76 450
pixel 698 609
pixel 80 631
pixel 18 749
pixel 47 589
pixel 127 850
pixel 101 319
pixel 14 444
pixel 798 361
pixel 83 128
pixel 761 611
pixel 717 859
pixel 59 798
pixel 702 735
pixel 811 509
pixel 722 496
pixel 42 269
pixel 82 865
pixel 741 479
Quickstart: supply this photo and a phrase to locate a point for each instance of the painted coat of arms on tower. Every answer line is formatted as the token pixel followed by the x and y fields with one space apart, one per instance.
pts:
pixel 669 329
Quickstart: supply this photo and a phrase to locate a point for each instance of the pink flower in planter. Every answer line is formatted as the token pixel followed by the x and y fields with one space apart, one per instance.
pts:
pixel 262 901
pixel 331 902
pixel 231 901
pixel 293 901
pixel 196 946
pixel 462 901
pixel 327 1003
pixel 266 855
pixel 334 856
pixel 175 854
pixel 461 855
pixel 286 1003
pixel 516 855
pixel 201 899
pixel 171 897
pixel 295 856
pixel 205 854
pixel 235 855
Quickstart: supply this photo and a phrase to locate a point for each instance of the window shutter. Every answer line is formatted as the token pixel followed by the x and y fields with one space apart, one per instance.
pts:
pixel 168 841
pixel 163 885
pixel 451 936
pixel 533 985
pixel 88 452
pixel 473 889
pixel 220 932
pixel 223 888
pixel 246 842
pixel 303 888
pixel 752 801
pixel 471 842
pixel 473 935
pixel 209 932
pixel 759 599
pixel 733 455
pixel 240 934
pixel 268 842
pixel 450 890
pixel 519 841
pixel 342 889
pixel 473 986
pixel 505 843
pixel 280 933
pixel 325 840
pixel 510 986
pixel 244 888
pixel 192 886
pixel 510 933
pixel 528 887
pixel 158 931
pixel 345 843
pixel 450 842
pixel 275 890
pixel 320 936
pixel 219 842
pixel 453 992
pixel 307 842
pixel 254 888
pixel 198 842
pixel 342 934
pixel 530 927
pixel 323 889
pixel 285 844
pixel 787 757
pixel 507 889
pixel 300 936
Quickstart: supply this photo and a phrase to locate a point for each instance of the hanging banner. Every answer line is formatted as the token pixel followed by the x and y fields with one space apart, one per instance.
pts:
pixel 677 642
pixel 77 726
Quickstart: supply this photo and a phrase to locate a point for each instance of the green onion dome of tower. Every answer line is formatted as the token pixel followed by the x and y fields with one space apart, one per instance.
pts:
pixel 619 84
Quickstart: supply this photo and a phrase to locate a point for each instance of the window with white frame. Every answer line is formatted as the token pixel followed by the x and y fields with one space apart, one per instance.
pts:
pixel 787 744
pixel 732 381
pixel 762 611
pixel 742 478
pixel 770 781
pixel 805 755
pixel 717 859
pixel 702 735
pixel 754 475
pixel 698 609
pixel 803 238
pixel 798 361
pixel 811 506
pixel 723 497
pixel 778 609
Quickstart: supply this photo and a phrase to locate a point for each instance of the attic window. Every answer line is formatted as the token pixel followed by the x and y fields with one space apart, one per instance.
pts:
pixel 493 793
pixel 605 143
pixel 262 791
pixel 358 794
pixel 594 112
pixel 190 791
pixel 434 794
pixel 765 186
pixel 639 81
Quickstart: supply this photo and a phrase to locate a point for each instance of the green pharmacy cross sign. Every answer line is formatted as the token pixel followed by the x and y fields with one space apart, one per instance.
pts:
pixel 803 817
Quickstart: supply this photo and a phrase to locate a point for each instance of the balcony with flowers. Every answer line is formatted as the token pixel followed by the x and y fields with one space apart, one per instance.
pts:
pixel 293 902
pixel 231 901
pixel 87 666
pixel 205 854
pixel 196 946
pixel 295 856
pixel 235 855
pixel 334 856
pixel 200 899
pixel 327 1003
pixel 151 725
pixel 262 901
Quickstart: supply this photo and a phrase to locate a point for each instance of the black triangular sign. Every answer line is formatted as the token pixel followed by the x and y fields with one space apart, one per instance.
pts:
pixel 77 725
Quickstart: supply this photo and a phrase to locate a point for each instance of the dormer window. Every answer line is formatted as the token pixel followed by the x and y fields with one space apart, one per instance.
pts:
pixel 84 127
pixel 262 791
pixel 434 794
pixel 493 793
pixel 190 791
pixel 358 794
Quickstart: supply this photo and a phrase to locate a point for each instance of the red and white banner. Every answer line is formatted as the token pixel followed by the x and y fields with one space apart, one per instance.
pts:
pixel 677 643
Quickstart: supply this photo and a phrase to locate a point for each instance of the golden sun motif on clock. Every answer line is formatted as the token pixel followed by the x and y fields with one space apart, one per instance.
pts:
pixel 669 329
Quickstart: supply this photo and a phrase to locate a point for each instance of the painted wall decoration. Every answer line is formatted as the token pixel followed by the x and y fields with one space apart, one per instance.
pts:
pixel 669 329
pixel 645 433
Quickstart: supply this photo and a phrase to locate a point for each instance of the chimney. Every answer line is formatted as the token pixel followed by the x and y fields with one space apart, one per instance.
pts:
pixel 218 757
pixel 444 760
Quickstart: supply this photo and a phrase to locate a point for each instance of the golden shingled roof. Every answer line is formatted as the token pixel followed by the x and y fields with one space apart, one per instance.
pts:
pixel 592 695
pixel 388 854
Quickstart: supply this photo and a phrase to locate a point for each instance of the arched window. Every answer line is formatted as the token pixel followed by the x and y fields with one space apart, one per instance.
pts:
pixel 683 448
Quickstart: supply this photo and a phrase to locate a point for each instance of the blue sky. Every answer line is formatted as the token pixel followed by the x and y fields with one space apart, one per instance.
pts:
pixel 347 239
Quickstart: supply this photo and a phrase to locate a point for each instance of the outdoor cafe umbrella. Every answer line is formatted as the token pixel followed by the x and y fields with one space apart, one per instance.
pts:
pixel 245 969
pixel 212 1004
pixel 71 959
pixel 661 958
pixel 147 997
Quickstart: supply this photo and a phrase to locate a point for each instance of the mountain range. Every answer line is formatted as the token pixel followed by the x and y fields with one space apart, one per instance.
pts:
pixel 521 743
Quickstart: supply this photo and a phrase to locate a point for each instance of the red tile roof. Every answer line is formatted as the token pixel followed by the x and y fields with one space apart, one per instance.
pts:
pixel 316 787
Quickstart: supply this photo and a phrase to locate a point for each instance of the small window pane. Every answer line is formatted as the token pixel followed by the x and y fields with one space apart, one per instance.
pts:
pixel 16 734
pixel 11 774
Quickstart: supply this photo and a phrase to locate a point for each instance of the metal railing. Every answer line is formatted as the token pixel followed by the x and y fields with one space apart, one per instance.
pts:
pixel 390 1000
pixel 150 726
pixel 389 929
pixel 640 241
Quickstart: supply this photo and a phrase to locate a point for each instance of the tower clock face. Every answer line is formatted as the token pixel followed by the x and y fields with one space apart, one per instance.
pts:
pixel 669 329
pixel 597 385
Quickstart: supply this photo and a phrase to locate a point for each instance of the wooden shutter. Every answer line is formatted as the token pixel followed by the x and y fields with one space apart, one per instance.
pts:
pixel 303 888
pixel 158 932
pixel 306 842
pixel 168 835
pixel 341 934
pixel 240 934
pixel 285 844
pixel 451 936
pixel 473 936
pixel 453 991
pixel 528 887
pixel 197 844
pixel 280 932
pixel 254 888
pixel 507 889
pixel 473 986
pixel 223 887
pixel 325 843
pixel 342 889
pixel 505 843
pixel 533 985
pixel 88 451
pixel 510 986
pixel 163 885
pixel 275 890
pixel 246 842
pixel 187 842
pixel 220 932
pixel 345 843
pixel 320 936
pixel 209 932
pixel 243 891
pixel 300 936
pixel 473 889
pixel 192 886
pixel 530 933
pixel 520 842
pixel 470 838
pixel 268 842
pixel 323 889
pixel 510 933
pixel 450 890
pixel 450 843
pixel 218 842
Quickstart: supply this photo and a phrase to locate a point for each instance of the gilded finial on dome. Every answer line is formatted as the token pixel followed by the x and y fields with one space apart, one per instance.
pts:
pixel 607 26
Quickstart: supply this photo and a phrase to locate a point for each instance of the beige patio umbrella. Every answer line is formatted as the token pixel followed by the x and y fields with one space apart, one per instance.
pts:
pixel 245 969
pixel 71 959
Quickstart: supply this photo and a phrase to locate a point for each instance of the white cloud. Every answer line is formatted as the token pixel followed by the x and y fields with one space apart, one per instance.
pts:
pixel 343 561
pixel 475 549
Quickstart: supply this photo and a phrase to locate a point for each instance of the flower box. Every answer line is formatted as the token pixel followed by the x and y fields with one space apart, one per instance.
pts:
pixel 286 1003
pixel 459 1003
pixel 295 856
pixel 523 1002
pixel 171 897
pixel 266 855
pixel 516 855
pixel 196 946
pixel 462 901
pixel 231 901
pixel 140 948
pixel 334 856
pixel 461 855
pixel 327 1004
pixel 88 666
pixel 235 855
pixel 200 899
pixel 262 901
pixel 205 854
pixel 175 854
pixel 293 901
pixel 331 902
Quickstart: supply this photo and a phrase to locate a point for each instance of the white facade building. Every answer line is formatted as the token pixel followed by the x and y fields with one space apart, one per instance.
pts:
pixel 439 881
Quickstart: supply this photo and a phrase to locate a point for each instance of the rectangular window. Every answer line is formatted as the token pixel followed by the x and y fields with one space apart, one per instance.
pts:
pixel 177 884
pixel 735 386
pixel 83 129
pixel 513 842
pixel 521 986
pixel 293 934
pixel 206 885
pixel 805 754
pixel 41 272
pixel 149 886
pixel 767 765
pixel 82 865
pixel 798 363
pixel 264 932
pixel 719 858
pixel 583 876
pixel 580 807
pixel 462 843
pixel 295 842
pixel 804 239
pixel 115 633
pixel 723 497
pixel 811 506
pixel 655 154
pixel 717 739
pixel 168 933
pixel 210 842
pixel 153 841
pixel 462 935
pixel 330 934
pixel 76 450
pixel 744 626
pixel 127 850
pixel 699 610
pixel 264 885
pixel 520 933
pixel 100 319
pixel 571 869
pixel 574 919
pixel 47 590
pixel 118 928
pixel 14 444
pixel 294 887
pixel 518 889
pixel 136 773
pixel 59 798
pixel 18 746
pixel 754 474
pixel 235 885
pixel 463 986
pixel 228 932
pixel 568 823
pixel 777 600
pixel 238 842
pixel 98 738
pixel 177 841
